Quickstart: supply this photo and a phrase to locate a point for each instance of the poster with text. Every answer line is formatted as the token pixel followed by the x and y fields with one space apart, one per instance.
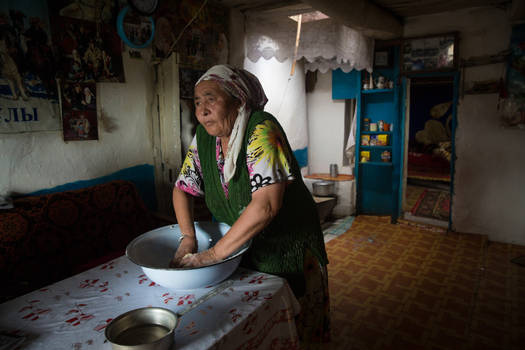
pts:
pixel 28 90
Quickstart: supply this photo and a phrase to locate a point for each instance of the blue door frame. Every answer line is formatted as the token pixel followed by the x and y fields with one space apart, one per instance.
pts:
pixel 455 75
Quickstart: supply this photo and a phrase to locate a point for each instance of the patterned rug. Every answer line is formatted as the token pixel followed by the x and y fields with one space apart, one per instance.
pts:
pixel 433 204
pixel 412 196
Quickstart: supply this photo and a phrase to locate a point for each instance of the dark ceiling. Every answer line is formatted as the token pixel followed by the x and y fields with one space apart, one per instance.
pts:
pixel 398 8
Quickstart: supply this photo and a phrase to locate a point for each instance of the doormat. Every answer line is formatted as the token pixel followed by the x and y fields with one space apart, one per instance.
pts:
pixel 339 226
pixel 433 204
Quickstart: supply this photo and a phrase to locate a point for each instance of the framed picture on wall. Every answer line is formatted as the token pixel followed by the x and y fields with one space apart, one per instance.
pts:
pixel 382 59
pixel 430 53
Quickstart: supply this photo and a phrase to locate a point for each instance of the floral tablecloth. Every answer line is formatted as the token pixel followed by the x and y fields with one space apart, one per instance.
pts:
pixel 257 311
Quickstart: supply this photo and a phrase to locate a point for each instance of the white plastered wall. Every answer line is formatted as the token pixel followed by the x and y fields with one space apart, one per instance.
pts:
pixel 326 127
pixel 489 191
pixel 34 161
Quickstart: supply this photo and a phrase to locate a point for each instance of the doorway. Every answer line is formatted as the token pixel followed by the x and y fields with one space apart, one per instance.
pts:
pixel 428 149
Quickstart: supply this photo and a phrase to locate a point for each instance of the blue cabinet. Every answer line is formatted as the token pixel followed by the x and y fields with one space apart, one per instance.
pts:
pixel 375 156
pixel 378 178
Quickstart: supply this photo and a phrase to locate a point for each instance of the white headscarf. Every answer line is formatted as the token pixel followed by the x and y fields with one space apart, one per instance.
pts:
pixel 245 87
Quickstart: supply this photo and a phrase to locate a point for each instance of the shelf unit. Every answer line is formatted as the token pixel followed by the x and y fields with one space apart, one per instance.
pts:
pixel 377 180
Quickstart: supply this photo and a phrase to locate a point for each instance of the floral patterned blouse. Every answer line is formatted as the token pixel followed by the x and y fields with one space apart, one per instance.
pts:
pixel 267 158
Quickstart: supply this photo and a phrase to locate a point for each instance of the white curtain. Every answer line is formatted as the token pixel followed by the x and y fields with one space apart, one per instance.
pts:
pixel 324 44
pixel 350 142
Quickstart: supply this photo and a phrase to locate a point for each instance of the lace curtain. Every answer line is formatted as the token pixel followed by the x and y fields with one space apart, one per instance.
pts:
pixel 324 44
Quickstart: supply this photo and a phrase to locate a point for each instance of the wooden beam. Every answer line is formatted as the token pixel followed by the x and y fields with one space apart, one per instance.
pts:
pixel 361 15
pixel 258 5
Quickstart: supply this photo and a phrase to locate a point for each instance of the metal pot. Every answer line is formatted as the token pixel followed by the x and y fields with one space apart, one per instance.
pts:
pixel 151 328
pixel 323 188
pixel 143 329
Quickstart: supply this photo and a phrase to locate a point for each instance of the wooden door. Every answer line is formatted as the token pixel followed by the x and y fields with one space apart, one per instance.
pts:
pixel 166 132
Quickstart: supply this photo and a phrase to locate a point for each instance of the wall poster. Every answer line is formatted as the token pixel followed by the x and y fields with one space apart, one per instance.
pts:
pixel 89 50
pixel 28 90
pixel 433 53
pixel 79 111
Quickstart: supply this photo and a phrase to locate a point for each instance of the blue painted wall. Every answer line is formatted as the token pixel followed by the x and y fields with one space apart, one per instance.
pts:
pixel 302 156
pixel 345 85
pixel 143 176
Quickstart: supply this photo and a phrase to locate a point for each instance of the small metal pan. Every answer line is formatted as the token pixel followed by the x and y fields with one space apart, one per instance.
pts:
pixel 151 328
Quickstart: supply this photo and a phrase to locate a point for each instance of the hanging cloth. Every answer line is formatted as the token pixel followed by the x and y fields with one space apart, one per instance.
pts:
pixel 350 143
pixel 325 44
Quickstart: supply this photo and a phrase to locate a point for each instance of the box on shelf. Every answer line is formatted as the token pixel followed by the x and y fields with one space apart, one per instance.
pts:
pixel 365 140
pixel 382 140
pixel 365 156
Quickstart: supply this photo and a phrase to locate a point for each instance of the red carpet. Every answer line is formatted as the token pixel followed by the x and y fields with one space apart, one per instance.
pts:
pixel 428 167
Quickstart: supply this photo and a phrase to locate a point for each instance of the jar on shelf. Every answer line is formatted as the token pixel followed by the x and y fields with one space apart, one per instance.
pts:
pixel 366 124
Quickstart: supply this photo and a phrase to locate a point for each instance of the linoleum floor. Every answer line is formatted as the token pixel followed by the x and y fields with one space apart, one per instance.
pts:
pixel 408 286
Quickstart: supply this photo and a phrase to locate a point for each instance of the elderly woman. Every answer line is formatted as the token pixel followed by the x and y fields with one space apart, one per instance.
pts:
pixel 241 162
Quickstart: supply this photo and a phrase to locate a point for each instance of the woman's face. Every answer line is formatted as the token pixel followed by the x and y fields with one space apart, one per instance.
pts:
pixel 215 109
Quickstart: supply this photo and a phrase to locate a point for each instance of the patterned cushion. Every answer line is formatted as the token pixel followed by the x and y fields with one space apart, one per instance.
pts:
pixel 47 238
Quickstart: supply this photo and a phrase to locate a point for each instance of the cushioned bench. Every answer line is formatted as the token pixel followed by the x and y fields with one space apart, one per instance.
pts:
pixel 49 237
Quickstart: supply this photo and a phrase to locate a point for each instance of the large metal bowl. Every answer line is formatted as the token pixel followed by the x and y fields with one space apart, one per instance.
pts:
pixel 153 251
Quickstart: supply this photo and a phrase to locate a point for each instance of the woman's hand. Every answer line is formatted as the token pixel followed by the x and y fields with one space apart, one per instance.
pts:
pixel 187 246
pixel 206 257
pixel 183 205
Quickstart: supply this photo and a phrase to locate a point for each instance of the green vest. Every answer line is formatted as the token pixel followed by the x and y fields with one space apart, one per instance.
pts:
pixel 278 249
